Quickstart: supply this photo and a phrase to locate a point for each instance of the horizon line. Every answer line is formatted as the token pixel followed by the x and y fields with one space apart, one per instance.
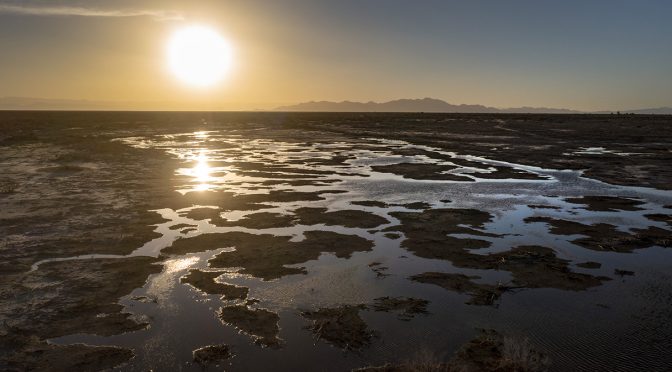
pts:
pixel 279 108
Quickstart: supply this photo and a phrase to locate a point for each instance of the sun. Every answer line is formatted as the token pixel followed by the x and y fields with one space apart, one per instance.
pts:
pixel 198 55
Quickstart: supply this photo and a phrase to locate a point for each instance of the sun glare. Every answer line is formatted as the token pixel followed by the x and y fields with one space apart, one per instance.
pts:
pixel 199 56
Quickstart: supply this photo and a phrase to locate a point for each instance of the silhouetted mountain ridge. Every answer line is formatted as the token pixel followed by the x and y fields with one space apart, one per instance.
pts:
pixel 413 105
pixel 437 105
pixel 399 105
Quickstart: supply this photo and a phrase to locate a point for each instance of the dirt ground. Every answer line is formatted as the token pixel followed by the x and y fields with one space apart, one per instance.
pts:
pixel 68 189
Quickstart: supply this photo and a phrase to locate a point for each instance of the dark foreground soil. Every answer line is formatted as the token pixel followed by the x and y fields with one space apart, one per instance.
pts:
pixel 68 189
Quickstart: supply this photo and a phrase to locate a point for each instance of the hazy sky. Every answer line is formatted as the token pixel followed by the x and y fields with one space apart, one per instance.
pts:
pixel 582 54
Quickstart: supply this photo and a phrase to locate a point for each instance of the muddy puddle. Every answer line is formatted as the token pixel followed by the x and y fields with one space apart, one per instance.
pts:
pixel 337 254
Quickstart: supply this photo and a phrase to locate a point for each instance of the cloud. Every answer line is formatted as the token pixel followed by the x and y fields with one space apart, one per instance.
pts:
pixel 160 15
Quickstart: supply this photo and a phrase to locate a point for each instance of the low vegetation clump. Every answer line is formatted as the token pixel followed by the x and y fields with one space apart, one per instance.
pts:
pixel 490 351
pixel 212 354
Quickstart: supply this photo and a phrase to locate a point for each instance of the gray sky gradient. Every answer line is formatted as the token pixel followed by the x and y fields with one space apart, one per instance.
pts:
pixel 578 54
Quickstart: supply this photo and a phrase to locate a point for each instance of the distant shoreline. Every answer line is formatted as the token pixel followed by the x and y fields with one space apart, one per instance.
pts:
pixel 423 105
pixel 624 114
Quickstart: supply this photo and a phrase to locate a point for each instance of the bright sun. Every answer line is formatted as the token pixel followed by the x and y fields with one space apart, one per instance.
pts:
pixel 199 56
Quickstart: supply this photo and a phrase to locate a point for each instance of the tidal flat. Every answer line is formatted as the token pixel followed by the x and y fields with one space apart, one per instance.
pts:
pixel 314 241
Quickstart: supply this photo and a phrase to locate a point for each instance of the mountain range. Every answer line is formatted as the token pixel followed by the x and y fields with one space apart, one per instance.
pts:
pixel 437 105
pixel 399 105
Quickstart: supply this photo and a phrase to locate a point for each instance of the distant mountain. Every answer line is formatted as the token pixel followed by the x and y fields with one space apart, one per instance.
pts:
pixel 399 105
pixel 413 105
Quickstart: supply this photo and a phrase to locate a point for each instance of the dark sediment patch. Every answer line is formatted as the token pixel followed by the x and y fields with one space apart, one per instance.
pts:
pixel 275 170
pixel 145 299
pixel 69 297
pixel 493 352
pixel 260 324
pixel 379 270
pixel 416 205
pixel 228 201
pixel 391 235
pixel 490 351
pixel 481 294
pixel 261 220
pixel 607 203
pixel 278 175
pixel 606 237
pixel 370 203
pixel 539 206
pixel 281 196
pixel 667 218
pixel 539 267
pixel 212 354
pixel 340 326
pixel 265 256
pixel 414 151
pixel 329 161
pixel 421 171
pixel 346 218
pixel 622 273
pixel 24 353
pixel 531 266
pixel 203 214
pixel 427 232
pixel 285 169
pixel 564 227
pixel 589 265
pixel 654 236
pixel 104 236
pixel 470 163
pixel 202 243
pixel 205 281
pixel 180 226
pixel 406 307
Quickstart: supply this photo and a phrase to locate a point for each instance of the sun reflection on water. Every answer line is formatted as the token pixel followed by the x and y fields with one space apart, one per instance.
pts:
pixel 200 172
pixel 176 265
pixel 201 134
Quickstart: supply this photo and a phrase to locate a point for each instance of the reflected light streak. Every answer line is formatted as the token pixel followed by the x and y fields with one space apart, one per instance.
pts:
pixel 180 264
pixel 201 134
pixel 201 172
pixel 203 176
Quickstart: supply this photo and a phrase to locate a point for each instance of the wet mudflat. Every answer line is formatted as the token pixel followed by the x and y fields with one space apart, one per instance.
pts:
pixel 335 241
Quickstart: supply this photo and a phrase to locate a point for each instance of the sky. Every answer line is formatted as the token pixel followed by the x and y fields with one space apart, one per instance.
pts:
pixel 578 54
